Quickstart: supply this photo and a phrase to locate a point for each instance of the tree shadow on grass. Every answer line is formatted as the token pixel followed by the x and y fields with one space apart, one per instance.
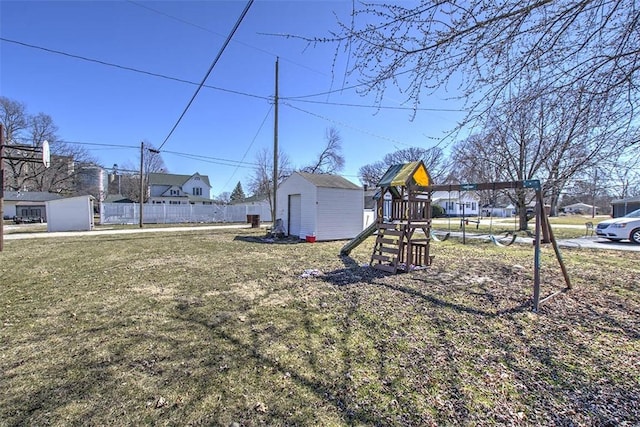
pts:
pixel 358 274
pixel 269 240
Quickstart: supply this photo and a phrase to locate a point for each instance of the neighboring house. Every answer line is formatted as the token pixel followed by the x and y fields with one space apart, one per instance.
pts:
pixel 328 207
pixel 497 211
pixel 117 198
pixel 27 204
pixel 70 214
pixel 580 209
pixel 256 205
pixel 452 202
pixel 621 207
pixel 455 203
pixel 369 216
pixel 166 188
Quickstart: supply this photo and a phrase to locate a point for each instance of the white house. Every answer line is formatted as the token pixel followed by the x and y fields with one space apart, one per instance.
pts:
pixel 172 189
pixel 328 207
pixel 455 203
pixel 27 204
pixel 70 214
pixel 580 208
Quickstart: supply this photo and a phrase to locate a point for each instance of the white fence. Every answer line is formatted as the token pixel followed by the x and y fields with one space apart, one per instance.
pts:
pixel 129 213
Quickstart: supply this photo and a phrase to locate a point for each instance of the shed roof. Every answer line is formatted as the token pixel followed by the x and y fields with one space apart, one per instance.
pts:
pixel 329 181
pixel 623 201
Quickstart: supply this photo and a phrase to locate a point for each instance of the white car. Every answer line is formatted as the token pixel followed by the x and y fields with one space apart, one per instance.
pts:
pixel 626 227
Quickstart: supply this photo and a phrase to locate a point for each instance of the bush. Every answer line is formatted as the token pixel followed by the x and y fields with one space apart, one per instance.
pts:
pixel 437 211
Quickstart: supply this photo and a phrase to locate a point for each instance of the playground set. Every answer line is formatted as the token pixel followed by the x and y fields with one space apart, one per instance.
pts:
pixel 403 227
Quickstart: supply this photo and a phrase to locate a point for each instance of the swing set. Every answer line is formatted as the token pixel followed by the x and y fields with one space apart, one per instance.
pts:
pixel 543 230
pixel 507 240
pixel 399 248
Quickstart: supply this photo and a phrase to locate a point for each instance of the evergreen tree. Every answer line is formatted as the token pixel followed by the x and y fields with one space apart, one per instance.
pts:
pixel 237 194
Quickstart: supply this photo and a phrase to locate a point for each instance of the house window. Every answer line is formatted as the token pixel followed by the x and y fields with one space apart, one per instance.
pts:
pixel 174 192
pixel 197 191
pixel 174 202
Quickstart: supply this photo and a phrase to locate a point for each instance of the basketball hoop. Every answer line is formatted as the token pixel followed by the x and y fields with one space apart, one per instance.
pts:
pixel 46 154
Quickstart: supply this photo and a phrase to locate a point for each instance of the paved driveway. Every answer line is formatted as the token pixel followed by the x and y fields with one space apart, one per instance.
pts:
pixel 598 243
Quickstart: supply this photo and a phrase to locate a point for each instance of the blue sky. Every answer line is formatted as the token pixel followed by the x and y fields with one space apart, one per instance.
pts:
pixel 225 127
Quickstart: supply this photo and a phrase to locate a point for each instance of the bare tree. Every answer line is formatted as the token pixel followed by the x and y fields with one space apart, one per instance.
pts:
pixel 25 135
pixel 330 160
pixel 484 46
pixel 554 137
pixel 622 180
pixel 14 119
pixel 152 162
pixel 261 183
pixel 370 174
pixel 224 198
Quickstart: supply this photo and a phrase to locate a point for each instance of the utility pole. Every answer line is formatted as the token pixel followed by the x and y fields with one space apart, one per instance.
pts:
pixel 593 195
pixel 141 180
pixel 275 150
pixel 1 187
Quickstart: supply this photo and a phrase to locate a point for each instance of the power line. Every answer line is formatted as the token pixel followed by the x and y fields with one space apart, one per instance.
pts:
pixel 99 144
pixel 213 64
pixel 215 160
pixel 127 68
pixel 184 21
pixel 379 107
pixel 300 98
pixel 250 145
pixel 344 124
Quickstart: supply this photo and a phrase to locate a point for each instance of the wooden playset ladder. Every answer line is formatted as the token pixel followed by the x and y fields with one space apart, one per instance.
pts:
pixel 387 251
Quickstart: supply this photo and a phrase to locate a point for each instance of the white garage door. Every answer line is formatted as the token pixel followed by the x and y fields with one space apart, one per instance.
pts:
pixel 295 214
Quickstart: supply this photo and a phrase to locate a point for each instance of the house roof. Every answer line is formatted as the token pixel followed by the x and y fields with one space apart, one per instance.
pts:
pixel 30 196
pixel 117 198
pixel 329 181
pixel 405 174
pixel 578 205
pixel 623 201
pixel 173 179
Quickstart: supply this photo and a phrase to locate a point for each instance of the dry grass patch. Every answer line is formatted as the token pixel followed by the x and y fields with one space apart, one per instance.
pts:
pixel 215 328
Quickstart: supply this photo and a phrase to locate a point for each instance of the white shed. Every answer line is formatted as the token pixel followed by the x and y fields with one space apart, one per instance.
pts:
pixel 328 207
pixel 70 214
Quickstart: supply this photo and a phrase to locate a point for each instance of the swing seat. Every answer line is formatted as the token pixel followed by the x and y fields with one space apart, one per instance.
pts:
pixel 497 242
pixel 435 237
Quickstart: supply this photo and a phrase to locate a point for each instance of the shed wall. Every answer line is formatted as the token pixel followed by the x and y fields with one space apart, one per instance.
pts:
pixel 295 184
pixel 339 213
pixel 622 208
pixel 71 214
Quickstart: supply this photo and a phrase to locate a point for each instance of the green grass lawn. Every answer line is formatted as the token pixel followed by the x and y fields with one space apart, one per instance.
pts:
pixel 217 328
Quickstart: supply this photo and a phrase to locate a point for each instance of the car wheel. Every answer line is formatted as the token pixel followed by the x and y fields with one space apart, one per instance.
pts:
pixel 635 236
